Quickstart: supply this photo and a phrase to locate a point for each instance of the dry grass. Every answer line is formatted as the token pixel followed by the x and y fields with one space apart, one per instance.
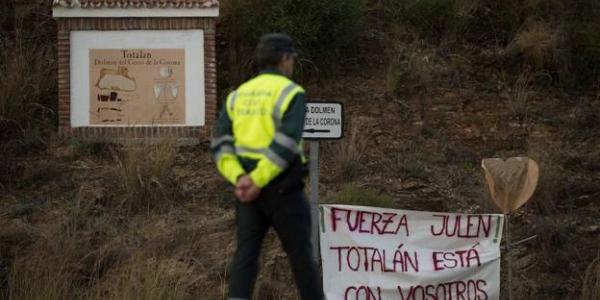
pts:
pixel 518 101
pixel 89 252
pixel 86 241
pixel 275 281
pixel 415 70
pixel 586 115
pixel 411 67
pixel 538 42
pixel 148 279
pixel 408 159
pixel 83 263
pixel 143 175
pixel 59 263
pixel 37 281
pixel 93 148
pixel 548 191
pixel 348 154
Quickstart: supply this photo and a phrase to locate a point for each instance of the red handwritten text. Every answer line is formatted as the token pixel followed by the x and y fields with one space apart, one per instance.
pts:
pixel 370 259
pixel 455 259
pixel 368 222
pixel 362 292
pixel 456 290
pixel 471 226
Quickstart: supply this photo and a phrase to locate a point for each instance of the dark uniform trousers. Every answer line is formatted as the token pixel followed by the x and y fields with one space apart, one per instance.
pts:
pixel 283 206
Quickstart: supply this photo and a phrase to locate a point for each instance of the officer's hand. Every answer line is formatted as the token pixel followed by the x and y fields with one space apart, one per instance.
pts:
pixel 245 189
pixel 251 194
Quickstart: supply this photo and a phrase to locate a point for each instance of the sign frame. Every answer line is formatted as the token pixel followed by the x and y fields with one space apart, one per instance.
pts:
pixel 191 40
pixel 341 125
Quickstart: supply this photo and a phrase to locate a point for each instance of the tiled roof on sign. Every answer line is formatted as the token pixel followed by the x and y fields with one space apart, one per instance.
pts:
pixel 137 3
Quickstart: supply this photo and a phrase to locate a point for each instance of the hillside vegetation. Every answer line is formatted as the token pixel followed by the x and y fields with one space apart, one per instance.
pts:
pixel 430 87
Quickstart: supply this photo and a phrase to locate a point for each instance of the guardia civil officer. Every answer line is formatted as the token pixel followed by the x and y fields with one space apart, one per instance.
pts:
pixel 258 149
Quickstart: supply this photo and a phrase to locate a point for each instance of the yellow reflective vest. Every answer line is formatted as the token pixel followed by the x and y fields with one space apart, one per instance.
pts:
pixel 252 127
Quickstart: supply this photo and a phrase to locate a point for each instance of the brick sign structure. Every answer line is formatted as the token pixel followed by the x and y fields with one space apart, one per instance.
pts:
pixel 136 68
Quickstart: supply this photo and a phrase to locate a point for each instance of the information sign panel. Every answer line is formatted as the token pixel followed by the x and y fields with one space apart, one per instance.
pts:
pixel 324 120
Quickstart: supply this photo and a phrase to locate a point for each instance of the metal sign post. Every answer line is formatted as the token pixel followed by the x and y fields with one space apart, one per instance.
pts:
pixel 323 121
pixel 314 195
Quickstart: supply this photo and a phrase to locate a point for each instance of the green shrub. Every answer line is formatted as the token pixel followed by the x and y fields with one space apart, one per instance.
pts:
pixel 43 171
pixel 324 31
pixel 586 49
pixel 437 19
pixel 353 194
pixel 508 16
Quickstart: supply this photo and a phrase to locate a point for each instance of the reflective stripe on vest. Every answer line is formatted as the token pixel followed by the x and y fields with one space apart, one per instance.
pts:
pixel 267 152
pixel 225 149
pixel 216 142
pixel 232 101
pixel 286 142
pixel 277 109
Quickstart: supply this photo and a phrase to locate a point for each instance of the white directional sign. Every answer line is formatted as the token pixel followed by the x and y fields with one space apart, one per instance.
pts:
pixel 323 120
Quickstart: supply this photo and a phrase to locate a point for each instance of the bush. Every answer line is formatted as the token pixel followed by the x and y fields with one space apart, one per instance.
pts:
pixel 324 31
pixel 28 65
pixel 556 35
pixel 436 19
pixel 538 43
pixel 559 37
pixel 585 41
pixel 508 16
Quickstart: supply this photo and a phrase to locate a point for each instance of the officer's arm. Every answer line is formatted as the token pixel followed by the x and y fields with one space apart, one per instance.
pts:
pixel 223 149
pixel 285 146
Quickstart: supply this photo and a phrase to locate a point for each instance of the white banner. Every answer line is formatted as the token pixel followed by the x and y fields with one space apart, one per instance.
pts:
pixel 384 254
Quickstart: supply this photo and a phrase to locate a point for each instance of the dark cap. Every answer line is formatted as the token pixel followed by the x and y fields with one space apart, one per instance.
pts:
pixel 277 42
pixel 271 47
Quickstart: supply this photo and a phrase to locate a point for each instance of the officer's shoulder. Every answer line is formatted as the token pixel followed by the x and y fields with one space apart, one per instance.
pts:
pixel 298 86
pixel 289 81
